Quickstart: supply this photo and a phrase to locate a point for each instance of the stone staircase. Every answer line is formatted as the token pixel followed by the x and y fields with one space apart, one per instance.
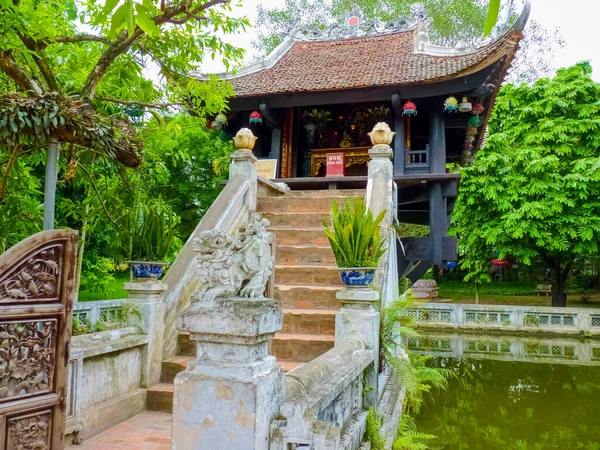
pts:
pixel 306 280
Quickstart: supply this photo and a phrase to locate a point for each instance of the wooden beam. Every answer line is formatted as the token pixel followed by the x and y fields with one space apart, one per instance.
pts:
pixel 399 148
pixel 272 119
pixel 418 248
pixel 437 222
pixel 444 88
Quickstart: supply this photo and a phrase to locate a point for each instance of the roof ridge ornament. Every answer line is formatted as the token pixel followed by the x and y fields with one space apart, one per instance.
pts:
pixel 355 26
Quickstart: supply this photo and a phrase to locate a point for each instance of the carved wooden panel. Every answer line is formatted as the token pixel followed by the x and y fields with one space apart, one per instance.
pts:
pixel 35 278
pixel 27 357
pixel 36 308
pixel 30 431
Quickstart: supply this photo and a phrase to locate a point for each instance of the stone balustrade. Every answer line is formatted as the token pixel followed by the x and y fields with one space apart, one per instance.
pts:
pixel 506 317
pixel 102 311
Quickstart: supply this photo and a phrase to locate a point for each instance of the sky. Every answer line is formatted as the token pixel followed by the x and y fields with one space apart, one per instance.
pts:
pixel 577 20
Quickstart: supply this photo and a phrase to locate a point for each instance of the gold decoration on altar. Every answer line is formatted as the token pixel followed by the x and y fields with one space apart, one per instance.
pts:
pixel 352 157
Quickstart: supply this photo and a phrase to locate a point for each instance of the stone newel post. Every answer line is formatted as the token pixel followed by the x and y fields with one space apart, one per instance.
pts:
pixel 144 308
pixel 242 162
pixel 358 318
pixel 228 396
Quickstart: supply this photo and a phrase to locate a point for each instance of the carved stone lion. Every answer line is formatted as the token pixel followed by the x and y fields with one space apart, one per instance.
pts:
pixel 234 266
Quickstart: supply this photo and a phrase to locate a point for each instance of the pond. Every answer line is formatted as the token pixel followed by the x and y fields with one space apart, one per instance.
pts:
pixel 498 403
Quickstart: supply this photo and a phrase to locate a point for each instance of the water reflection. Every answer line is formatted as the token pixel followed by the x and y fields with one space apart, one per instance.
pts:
pixel 538 402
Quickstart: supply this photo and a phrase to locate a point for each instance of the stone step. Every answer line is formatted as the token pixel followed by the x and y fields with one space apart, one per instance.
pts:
pixel 294 255
pixel 307 203
pixel 307 297
pixel 300 347
pixel 300 236
pixel 172 366
pixel 185 346
pixel 160 397
pixel 307 275
pixel 296 220
pixel 354 193
pixel 309 321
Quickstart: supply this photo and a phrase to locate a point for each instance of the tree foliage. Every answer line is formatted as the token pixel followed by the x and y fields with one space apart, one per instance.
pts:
pixel 534 190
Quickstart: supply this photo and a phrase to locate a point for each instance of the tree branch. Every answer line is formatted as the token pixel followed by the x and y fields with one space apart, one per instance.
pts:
pixel 124 41
pixel 137 103
pixel 9 165
pixel 79 38
pixel 20 77
pixel 38 58
pixel 98 194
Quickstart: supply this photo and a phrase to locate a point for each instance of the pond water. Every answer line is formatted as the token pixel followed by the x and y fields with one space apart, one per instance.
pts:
pixel 514 405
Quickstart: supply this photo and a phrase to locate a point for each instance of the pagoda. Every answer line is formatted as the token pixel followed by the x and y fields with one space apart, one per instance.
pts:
pixel 315 97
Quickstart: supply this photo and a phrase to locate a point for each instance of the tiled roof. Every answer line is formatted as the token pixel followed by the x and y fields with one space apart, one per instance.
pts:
pixel 382 60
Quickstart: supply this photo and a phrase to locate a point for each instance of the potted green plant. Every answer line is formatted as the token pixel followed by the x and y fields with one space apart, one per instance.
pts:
pixel 356 242
pixel 152 237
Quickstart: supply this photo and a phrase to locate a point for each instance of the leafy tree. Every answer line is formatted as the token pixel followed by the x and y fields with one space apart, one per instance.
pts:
pixel 534 190
pixel 62 85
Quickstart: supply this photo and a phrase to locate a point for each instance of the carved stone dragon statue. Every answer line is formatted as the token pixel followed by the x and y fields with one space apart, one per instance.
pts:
pixel 234 266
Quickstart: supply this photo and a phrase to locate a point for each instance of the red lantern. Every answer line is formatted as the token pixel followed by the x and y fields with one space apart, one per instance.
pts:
pixel 255 117
pixel 477 109
pixel 410 109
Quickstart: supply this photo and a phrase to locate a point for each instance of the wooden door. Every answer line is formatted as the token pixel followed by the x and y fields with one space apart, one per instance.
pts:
pixel 36 306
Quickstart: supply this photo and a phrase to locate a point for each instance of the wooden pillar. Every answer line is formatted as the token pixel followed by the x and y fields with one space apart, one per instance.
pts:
pixel 399 147
pixel 275 144
pixel 437 221
pixel 437 138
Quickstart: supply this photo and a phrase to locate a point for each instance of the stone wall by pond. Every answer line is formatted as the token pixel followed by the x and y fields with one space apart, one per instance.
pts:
pixel 105 380
pixel 507 318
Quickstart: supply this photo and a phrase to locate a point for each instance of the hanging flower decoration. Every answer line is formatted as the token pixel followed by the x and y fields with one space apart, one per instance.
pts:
pixel 471 130
pixel 219 122
pixel 410 109
pixel 477 109
pixel 475 121
pixel 255 118
pixel 451 104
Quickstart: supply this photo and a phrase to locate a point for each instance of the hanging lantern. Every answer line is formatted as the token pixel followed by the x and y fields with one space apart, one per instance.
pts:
pixel 465 105
pixel 477 109
pixel 475 121
pixel 219 122
pixel 255 118
pixel 471 130
pixel 451 104
pixel 410 109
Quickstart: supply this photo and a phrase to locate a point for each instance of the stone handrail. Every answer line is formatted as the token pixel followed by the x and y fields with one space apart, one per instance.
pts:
pixel 227 213
pixel 93 312
pixel 323 404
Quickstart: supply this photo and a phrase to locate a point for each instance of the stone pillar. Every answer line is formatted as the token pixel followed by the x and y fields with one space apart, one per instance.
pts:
pixel 227 397
pixel 358 318
pixel 144 308
pixel 243 162
pixel 381 172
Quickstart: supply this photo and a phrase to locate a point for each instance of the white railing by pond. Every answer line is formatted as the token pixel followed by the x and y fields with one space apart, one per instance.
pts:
pixel 102 311
pixel 506 317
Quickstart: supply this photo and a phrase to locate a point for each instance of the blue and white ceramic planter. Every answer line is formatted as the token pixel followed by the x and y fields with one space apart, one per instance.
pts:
pixel 146 270
pixel 357 276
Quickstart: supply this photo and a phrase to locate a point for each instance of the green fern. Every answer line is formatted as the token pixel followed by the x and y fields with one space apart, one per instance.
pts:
pixel 355 239
pixel 154 230
pixel 409 438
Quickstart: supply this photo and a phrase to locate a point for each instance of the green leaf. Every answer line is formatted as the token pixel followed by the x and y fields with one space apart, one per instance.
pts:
pixel 492 17
pixel 144 21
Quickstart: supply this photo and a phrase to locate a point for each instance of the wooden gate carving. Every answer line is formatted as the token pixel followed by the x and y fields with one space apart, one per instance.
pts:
pixel 36 307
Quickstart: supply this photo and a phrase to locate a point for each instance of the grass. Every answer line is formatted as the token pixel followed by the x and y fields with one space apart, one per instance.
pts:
pixel 114 289
pixel 509 293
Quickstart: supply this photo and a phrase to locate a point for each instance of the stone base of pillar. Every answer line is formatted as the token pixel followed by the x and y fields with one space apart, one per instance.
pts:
pixel 227 398
pixel 144 308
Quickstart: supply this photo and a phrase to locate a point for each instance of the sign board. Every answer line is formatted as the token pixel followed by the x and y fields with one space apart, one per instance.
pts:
pixel 335 165
pixel 266 168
